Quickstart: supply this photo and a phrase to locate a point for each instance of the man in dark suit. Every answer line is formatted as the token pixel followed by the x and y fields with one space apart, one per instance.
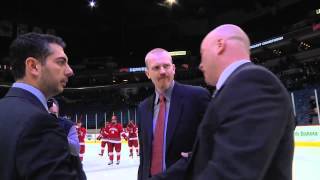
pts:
pixel 69 126
pixel 247 130
pixel 34 146
pixel 70 130
pixel 183 108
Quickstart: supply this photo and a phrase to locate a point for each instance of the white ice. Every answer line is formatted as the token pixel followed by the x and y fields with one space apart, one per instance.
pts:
pixel 96 167
pixel 306 164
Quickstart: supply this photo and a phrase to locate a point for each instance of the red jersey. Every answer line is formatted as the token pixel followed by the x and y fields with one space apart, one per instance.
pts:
pixel 114 132
pixel 81 133
pixel 104 134
pixel 132 130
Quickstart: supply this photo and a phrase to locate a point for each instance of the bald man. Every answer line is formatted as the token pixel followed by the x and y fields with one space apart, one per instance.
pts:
pixel 247 130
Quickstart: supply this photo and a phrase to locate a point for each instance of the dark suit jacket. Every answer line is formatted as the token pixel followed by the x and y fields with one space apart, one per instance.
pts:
pixel 187 106
pixel 247 130
pixel 33 145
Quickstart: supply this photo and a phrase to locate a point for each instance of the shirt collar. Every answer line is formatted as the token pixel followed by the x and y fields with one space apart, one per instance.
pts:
pixel 228 71
pixel 167 94
pixel 36 92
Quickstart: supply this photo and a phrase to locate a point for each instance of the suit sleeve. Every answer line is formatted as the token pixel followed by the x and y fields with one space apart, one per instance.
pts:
pixel 177 171
pixel 42 151
pixel 252 117
pixel 203 98
pixel 74 141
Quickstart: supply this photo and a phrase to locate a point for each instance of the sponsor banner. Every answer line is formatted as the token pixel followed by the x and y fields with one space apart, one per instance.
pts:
pixel 307 136
pixel 303 136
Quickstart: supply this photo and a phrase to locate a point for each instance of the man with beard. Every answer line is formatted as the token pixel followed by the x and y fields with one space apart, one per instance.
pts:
pixel 36 146
pixel 169 118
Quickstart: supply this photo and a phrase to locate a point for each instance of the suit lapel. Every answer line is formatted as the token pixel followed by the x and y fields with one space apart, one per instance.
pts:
pixel 176 107
pixel 149 119
pixel 232 75
pixel 236 71
pixel 216 93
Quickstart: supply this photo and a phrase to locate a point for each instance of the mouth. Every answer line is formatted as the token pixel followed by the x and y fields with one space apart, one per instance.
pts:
pixel 162 78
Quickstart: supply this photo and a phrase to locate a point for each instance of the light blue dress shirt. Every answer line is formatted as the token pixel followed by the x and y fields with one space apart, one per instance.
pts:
pixel 74 141
pixel 72 134
pixel 34 91
pixel 228 71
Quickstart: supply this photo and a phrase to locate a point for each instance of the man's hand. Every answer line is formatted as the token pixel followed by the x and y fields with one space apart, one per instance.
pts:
pixel 186 154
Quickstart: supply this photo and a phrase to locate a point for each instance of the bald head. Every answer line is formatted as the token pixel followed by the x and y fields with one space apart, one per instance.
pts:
pixel 221 47
pixel 230 32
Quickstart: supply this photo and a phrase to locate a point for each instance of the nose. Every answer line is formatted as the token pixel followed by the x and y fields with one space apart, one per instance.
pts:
pixel 162 70
pixel 69 71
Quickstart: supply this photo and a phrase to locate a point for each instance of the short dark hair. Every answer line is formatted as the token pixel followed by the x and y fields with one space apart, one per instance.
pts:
pixel 31 45
pixel 51 101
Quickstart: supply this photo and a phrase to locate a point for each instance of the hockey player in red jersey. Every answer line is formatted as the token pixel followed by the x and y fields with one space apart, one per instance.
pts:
pixel 81 135
pixel 103 136
pixel 115 131
pixel 132 130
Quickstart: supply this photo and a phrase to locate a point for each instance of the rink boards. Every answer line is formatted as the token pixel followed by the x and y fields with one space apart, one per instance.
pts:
pixel 305 136
pixel 305 165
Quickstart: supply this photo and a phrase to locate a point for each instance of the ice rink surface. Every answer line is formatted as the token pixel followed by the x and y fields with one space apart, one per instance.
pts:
pixel 306 164
pixel 96 167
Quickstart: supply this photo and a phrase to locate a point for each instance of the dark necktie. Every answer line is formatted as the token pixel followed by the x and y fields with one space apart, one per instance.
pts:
pixel 157 147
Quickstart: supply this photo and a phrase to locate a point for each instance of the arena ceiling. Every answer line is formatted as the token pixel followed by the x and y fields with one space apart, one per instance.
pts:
pixel 117 34
pixel 123 31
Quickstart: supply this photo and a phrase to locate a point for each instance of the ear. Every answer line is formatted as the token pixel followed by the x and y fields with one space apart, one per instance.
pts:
pixel 220 47
pixel 147 73
pixel 32 66
pixel 174 68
